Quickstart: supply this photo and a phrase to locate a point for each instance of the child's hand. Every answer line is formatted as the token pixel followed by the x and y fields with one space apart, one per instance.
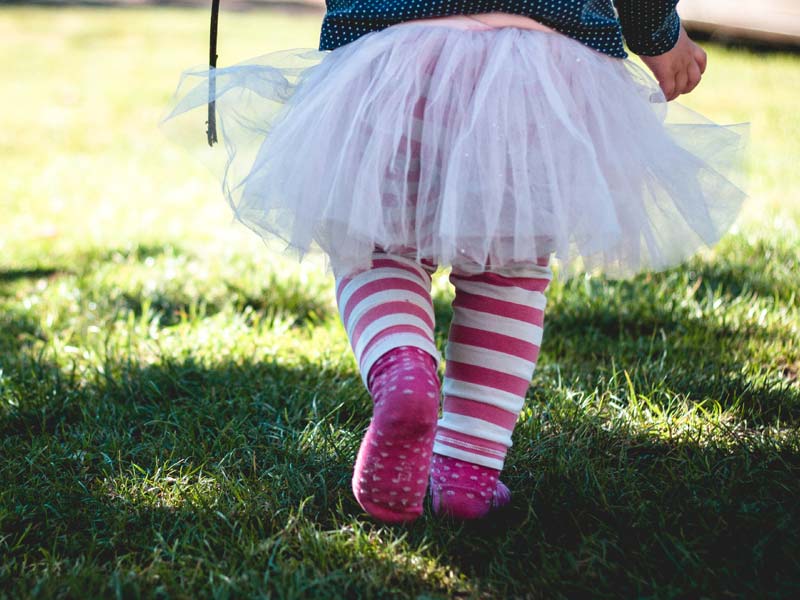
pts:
pixel 679 70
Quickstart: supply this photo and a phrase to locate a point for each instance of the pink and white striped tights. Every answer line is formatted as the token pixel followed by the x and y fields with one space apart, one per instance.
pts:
pixel 491 353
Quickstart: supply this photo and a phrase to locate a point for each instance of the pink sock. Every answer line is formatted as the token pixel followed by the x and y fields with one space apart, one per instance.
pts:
pixel 491 352
pixel 465 491
pixel 391 471
pixel 388 315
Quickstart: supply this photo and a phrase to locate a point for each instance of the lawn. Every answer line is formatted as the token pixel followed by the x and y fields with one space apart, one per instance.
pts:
pixel 179 411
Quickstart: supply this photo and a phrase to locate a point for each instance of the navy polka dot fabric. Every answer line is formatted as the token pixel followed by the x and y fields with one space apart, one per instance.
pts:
pixel 649 27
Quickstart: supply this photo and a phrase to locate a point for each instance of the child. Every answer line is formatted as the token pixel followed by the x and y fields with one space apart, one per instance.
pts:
pixel 429 134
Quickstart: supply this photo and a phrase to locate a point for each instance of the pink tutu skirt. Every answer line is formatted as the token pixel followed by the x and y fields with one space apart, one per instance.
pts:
pixel 479 149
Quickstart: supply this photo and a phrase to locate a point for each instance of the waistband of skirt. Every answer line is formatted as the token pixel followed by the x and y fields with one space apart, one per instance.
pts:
pixel 482 22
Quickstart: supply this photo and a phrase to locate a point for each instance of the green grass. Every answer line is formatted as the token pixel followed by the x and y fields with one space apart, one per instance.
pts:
pixel 179 411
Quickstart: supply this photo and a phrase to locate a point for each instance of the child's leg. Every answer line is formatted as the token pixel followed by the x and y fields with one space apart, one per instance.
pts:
pixel 388 314
pixel 491 353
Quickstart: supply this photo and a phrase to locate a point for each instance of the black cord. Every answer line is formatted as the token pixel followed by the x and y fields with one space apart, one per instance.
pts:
pixel 211 132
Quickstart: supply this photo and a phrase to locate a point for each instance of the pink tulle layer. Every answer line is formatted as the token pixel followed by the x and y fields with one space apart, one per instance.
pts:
pixel 480 149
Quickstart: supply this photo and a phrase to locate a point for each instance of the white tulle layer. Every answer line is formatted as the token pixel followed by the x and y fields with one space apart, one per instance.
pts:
pixel 477 149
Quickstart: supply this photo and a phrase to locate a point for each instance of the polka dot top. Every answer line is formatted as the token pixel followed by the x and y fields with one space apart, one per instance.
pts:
pixel 649 27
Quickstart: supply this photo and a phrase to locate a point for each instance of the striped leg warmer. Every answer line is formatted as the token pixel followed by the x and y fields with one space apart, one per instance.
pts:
pixel 388 314
pixel 491 354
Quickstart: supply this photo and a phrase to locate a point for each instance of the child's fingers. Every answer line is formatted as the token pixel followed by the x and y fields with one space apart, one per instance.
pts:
pixel 667 83
pixel 681 82
pixel 700 57
pixel 694 75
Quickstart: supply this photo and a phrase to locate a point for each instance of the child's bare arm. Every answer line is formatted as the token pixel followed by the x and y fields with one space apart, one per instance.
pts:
pixel 678 70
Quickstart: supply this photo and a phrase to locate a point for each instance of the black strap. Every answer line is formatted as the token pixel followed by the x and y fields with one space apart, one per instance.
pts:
pixel 211 132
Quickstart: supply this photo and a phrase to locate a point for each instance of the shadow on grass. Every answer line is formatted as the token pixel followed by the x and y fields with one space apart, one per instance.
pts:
pixel 19 331
pixel 244 467
pixel 13 275
pixel 186 475
pixel 600 513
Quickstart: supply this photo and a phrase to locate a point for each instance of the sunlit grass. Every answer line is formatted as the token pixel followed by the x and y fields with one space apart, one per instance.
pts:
pixel 179 410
